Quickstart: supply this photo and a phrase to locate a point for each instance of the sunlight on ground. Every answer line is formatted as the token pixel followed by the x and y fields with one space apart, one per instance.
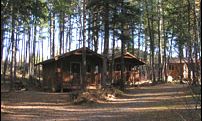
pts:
pixel 155 94
pixel 142 104
pixel 66 108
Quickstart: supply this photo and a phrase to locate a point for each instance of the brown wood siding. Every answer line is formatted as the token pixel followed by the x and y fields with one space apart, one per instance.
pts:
pixel 49 75
pixel 131 76
pixel 71 80
pixel 175 70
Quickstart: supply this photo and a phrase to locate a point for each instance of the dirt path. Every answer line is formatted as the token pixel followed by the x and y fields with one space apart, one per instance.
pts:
pixel 166 102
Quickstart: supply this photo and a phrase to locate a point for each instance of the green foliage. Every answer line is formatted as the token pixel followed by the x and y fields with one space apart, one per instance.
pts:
pixel 128 12
pixel 62 6
pixel 22 13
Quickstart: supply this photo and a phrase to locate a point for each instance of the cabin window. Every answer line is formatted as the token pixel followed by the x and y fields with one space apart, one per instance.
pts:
pixel 75 67
pixel 171 67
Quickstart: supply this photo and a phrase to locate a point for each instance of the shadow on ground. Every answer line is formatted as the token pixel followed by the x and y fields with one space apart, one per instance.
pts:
pixel 165 102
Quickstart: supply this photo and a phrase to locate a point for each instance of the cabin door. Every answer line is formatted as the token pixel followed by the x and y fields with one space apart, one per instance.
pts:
pixel 75 73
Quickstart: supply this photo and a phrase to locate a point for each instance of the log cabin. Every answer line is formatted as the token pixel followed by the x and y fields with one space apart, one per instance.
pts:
pixel 64 71
pixel 175 68
pixel 131 73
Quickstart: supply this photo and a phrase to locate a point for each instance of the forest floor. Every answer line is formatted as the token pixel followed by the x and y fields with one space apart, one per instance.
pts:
pixel 164 102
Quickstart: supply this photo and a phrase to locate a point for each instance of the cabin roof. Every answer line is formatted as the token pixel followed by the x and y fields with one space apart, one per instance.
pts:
pixel 130 57
pixel 74 52
pixel 184 60
pixel 127 56
pixel 177 60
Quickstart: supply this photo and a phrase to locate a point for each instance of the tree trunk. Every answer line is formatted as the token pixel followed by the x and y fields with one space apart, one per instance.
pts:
pixel 145 58
pixel 159 42
pixel 133 42
pixel 150 25
pixel 123 37
pixel 53 39
pixel 106 44
pixel 138 51
pixel 67 39
pixel 63 32
pixel 112 63
pixel 33 54
pixel 89 27
pixel 181 58
pixel 29 48
pixel 83 81
pixel 6 63
pixel 152 51
pixel 122 61
pixel 13 53
pixel 60 33
pixel 95 30
pixel 80 32
pixel 2 36
pixel 196 66
pixel 24 57
pixel 190 65
pixel 181 68
pixel 69 33
pixel 50 32
pixel 164 49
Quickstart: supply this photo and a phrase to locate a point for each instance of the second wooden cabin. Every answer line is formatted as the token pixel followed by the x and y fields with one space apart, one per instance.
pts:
pixel 176 68
pixel 131 73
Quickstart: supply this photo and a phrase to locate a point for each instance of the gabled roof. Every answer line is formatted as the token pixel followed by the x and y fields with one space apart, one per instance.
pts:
pixel 177 60
pixel 79 52
pixel 129 56
pixel 184 60
pixel 74 52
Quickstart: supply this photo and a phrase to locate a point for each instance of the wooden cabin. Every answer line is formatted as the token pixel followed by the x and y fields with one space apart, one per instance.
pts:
pixel 131 73
pixel 174 68
pixel 64 71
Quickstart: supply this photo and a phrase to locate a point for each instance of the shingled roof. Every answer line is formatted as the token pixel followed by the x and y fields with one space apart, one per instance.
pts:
pixel 74 52
pixel 184 60
pixel 128 56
